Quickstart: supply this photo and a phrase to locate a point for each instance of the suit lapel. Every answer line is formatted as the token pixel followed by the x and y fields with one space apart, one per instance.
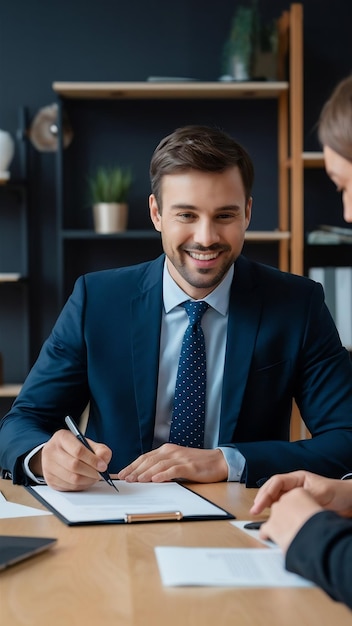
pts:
pixel 244 315
pixel 146 312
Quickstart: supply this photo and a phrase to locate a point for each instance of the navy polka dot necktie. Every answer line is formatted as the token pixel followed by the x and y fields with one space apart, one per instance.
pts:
pixel 188 417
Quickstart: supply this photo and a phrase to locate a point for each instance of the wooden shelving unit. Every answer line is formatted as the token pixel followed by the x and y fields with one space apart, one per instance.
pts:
pixel 275 90
pixel 289 95
pixel 292 160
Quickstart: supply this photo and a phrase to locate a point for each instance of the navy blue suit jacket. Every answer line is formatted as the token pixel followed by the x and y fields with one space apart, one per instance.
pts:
pixel 104 348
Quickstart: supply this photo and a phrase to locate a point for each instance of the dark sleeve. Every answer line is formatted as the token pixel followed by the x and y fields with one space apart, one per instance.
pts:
pixel 56 385
pixel 322 553
pixel 321 384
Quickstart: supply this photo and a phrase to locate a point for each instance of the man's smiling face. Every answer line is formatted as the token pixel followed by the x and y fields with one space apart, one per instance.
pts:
pixel 203 220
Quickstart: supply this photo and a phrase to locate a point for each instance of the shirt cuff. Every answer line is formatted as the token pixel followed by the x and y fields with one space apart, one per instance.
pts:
pixel 347 476
pixel 235 463
pixel 39 480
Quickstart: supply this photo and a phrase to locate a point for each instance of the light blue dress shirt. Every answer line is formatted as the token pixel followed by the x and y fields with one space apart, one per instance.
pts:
pixel 214 324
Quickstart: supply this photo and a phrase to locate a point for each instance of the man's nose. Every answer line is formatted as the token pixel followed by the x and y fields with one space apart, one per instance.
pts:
pixel 206 233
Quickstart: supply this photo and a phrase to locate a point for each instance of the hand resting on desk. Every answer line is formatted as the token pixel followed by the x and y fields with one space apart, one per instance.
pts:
pixel 294 498
pixel 287 517
pixel 330 493
pixel 67 465
pixel 170 462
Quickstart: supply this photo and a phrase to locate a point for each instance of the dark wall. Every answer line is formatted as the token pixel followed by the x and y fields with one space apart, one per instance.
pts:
pixel 112 40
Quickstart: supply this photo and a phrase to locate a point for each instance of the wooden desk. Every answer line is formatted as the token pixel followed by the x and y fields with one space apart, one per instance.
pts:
pixel 108 576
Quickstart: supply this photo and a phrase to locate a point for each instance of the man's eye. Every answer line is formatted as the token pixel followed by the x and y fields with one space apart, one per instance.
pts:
pixel 186 216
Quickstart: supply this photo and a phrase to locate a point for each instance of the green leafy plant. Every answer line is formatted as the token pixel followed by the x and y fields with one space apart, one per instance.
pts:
pixel 243 36
pixel 110 184
pixel 249 37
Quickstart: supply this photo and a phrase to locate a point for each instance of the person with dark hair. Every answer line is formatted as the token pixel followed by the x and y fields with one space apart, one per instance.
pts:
pixel 189 363
pixel 308 512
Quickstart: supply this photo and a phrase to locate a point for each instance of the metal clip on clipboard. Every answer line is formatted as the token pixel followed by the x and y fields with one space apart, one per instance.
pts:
pixel 164 516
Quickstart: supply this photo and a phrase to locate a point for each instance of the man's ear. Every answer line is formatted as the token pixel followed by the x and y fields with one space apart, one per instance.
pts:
pixel 248 211
pixel 154 213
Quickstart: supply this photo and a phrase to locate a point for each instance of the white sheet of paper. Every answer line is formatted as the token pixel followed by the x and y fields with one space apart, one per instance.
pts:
pixel 225 567
pixel 101 502
pixel 11 509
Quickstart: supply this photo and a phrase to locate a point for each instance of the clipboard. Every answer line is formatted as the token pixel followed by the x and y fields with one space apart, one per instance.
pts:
pixel 135 503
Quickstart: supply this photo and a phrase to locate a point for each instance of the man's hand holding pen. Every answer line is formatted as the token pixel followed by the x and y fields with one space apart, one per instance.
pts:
pixel 67 465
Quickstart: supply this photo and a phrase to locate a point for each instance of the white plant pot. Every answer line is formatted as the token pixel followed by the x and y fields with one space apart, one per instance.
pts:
pixel 7 150
pixel 239 67
pixel 110 217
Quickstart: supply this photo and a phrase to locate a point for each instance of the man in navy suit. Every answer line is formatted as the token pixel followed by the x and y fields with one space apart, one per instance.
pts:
pixel 269 338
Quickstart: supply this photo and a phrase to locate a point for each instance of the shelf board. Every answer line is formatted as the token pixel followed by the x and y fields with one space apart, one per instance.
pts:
pixel 10 391
pixel 267 235
pixel 174 90
pixel 10 277
pixel 126 234
pixel 313 159
pixel 251 235
pixel 310 160
pixel 326 244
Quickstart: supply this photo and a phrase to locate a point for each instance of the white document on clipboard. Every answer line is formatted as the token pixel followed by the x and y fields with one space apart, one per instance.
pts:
pixel 135 502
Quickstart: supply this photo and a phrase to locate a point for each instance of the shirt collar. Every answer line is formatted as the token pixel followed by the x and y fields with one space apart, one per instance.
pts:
pixel 218 299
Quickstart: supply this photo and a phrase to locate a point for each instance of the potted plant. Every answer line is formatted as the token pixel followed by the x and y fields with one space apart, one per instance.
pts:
pixel 109 189
pixel 240 46
pixel 251 49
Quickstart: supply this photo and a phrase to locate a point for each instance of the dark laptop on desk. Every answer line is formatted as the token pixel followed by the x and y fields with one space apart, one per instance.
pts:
pixel 14 549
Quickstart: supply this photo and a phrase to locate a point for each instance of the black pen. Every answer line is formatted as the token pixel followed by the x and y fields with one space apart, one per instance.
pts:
pixel 77 433
pixel 253 525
